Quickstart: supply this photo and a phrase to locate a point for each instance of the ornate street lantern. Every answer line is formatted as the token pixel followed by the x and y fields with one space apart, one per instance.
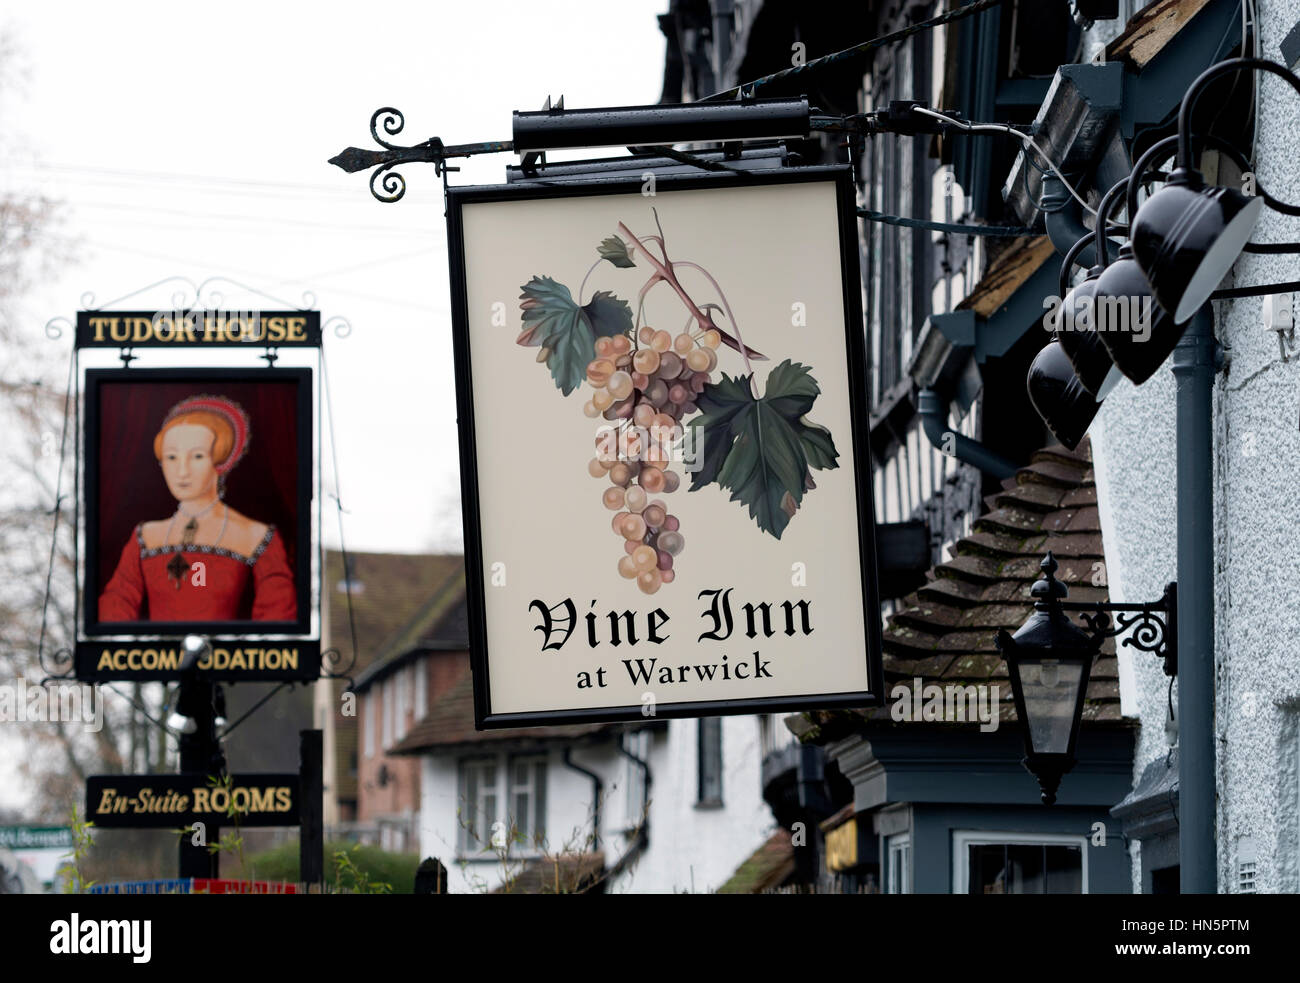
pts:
pixel 1049 660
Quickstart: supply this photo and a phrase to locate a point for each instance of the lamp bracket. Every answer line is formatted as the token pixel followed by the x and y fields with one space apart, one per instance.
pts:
pixel 1154 624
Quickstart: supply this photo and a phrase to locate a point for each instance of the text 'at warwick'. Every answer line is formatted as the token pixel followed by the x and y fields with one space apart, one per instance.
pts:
pixel 559 620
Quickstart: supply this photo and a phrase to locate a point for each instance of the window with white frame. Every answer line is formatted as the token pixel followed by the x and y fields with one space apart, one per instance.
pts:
pixel 1019 863
pixel 502 804
pixel 527 777
pixel 637 744
pixel 709 741
pixel 766 739
pixel 421 691
pixel 898 864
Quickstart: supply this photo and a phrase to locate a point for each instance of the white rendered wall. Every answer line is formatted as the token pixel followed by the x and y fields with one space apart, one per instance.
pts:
pixel 1257 530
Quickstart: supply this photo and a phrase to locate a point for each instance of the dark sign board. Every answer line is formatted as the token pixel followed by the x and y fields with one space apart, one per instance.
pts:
pixel 180 801
pixel 716 555
pixel 198 329
pixel 232 660
pixel 197 501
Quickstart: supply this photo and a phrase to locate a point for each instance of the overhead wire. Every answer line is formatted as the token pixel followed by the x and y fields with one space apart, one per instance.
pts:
pixel 749 88
pixel 172 258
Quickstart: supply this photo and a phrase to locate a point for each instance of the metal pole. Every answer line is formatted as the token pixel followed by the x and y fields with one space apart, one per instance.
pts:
pixel 198 756
pixel 1194 367
pixel 311 834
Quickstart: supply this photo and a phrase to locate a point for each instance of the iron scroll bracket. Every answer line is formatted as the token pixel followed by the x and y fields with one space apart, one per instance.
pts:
pixel 1152 626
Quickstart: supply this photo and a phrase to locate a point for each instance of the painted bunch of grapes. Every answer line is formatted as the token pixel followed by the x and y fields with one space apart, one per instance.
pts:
pixel 657 391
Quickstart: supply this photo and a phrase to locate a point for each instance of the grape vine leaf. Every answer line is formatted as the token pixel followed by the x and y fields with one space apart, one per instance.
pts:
pixel 762 450
pixel 614 249
pixel 553 319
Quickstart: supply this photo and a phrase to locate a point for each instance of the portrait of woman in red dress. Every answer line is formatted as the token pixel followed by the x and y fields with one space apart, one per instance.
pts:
pixel 206 562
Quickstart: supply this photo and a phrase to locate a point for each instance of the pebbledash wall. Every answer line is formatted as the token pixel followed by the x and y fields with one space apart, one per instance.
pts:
pixel 1257 530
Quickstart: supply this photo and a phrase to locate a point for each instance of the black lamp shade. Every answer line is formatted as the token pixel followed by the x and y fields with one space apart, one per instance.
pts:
pixel 1063 402
pixel 1187 236
pixel 1075 330
pixel 1138 333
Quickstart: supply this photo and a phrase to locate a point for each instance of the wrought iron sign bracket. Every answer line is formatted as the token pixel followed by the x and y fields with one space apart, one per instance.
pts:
pixel 333 667
pixel 1155 624
pixel 388 185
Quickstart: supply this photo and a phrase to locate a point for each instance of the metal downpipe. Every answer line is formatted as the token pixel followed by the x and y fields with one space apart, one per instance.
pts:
pixel 933 411
pixel 1195 363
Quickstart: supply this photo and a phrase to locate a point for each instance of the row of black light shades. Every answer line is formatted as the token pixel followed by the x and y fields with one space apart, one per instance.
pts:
pixel 1125 317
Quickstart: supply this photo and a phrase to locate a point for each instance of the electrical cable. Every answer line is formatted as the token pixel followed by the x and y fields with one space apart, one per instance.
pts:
pixel 1024 137
pixel 58 501
pixel 1152 154
pixel 1262 290
pixel 749 88
pixel 1071 257
pixel 328 394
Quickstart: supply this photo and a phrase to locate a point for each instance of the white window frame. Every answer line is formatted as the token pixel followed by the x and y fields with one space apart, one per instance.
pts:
pixel 964 839
pixel 634 800
pixel 899 843
pixel 468 845
pixel 537 813
pixel 421 691
pixel 503 797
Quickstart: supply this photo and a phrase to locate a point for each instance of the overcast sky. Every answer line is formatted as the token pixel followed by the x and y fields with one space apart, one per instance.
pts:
pixel 192 141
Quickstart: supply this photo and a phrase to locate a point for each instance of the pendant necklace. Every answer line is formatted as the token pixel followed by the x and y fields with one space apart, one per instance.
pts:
pixel 177 566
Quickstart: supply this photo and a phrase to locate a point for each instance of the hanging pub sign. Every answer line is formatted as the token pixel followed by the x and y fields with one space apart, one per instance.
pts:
pixel 198 328
pixel 198 491
pixel 180 801
pixel 666 479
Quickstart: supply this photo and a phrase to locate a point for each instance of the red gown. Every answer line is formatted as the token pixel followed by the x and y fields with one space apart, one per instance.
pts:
pixel 233 587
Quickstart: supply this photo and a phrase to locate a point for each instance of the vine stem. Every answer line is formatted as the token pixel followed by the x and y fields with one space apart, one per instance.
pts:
pixel 583 286
pixel 665 273
pixel 730 317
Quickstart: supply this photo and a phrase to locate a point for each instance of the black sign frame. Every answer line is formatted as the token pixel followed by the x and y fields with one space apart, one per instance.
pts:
pixel 198 328
pixel 185 783
pixel 259 663
pixel 457 198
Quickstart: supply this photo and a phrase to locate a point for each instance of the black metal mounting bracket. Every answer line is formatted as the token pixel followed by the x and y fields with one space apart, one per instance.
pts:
pixel 1154 624
pixel 393 186
pixel 332 666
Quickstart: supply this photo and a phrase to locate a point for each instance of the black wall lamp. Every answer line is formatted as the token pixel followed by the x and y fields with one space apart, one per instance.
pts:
pixel 1059 398
pixel 1187 235
pixel 1073 373
pixel 1079 324
pixel 1049 660
pixel 1126 328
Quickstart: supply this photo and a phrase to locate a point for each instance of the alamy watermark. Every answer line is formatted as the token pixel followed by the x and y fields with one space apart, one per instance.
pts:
pixel 1125 315
pixel 951 703
pixel 21 703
